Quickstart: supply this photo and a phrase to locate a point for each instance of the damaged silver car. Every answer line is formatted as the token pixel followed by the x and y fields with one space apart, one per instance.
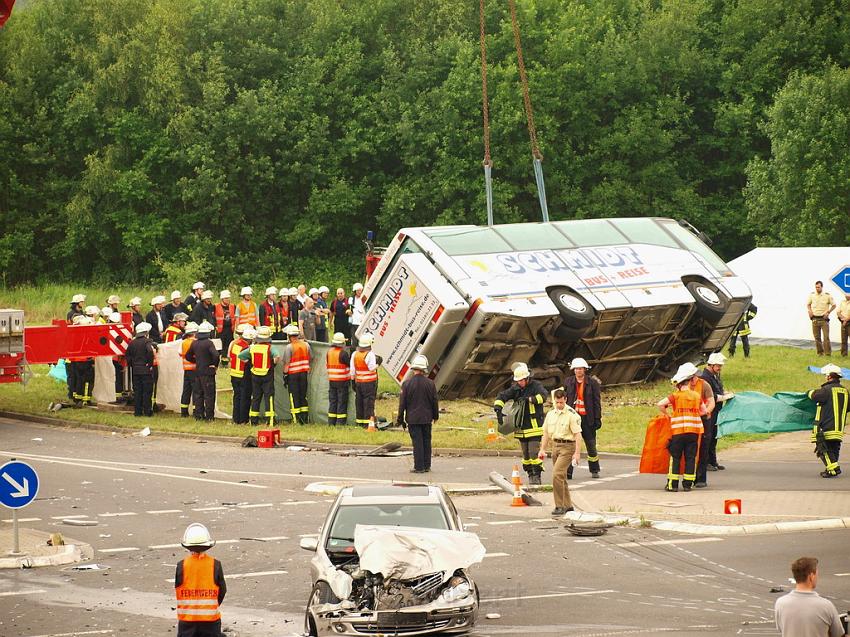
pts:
pixel 392 560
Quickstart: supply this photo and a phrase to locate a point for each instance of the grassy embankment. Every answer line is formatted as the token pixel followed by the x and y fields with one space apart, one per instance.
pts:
pixel 464 423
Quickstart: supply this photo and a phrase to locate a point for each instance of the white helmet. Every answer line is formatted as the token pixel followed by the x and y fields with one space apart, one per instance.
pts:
pixel 207 295
pixel 134 302
pixel 115 317
pixel 198 286
pixel 176 296
pixel 520 371
pixel 366 340
pixel 264 333
pixel 205 327
pixel 716 359
pixel 191 328
pixel 356 287
pixel 143 328
pixel 80 319
pixel 249 333
pixel 579 362
pixel 78 298
pixel 323 289
pixel 197 536
pixel 113 299
pixel 271 290
pixel 420 362
pixel 831 368
pixel 292 292
pixel 685 371
pixel 291 330
pixel 246 290
pixel 180 316
pixel 313 291
pixel 92 310
pixel 338 339
pixel 105 311
pixel 224 294
pixel 158 300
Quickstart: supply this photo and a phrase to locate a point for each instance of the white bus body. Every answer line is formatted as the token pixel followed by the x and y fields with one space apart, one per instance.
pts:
pixel 635 297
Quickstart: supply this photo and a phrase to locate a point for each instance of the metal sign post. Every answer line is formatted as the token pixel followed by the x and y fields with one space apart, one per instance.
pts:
pixel 18 488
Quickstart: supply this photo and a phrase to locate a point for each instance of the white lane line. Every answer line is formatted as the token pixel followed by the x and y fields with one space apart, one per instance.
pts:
pixel 124 549
pixel 497 555
pixel 607 479
pixel 105 464
pixel 29 592
pixel 10 520
pixel 68 517
pixel 256 574
pixel 160 511
pixel 254 506
pixel 88 464
pixel 543 520
pixel 272 538
pixel 519 597
pixel 297 502
pixel 116 515
pixel 218 508
pixel 503 522
pixel 842 574
pixel 470 525
pixel 624 475
pixel 309 535
pixel 692 540
pixel 108 631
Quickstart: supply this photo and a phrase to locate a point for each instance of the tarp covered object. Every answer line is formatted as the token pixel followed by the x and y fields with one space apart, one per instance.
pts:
pixel 755 413
pixel 104 380
pixel 402 552
pixel 655 458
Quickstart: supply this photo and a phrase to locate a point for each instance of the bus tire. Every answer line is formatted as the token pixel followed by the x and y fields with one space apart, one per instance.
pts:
pixel 711 303
pixel 577 315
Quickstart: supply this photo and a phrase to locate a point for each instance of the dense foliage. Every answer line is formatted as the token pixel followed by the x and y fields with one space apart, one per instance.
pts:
pixel 147 141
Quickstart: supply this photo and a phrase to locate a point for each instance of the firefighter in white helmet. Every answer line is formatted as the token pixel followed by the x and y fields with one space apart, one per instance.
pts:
pixel 584 394
pixel 686 426
pixel 833 402
pixel 528 396
pixel 141 357
pixel 204 311
pixel 711 375
pixel 82 367
pixel 358 309
pixel 364 376
pixel 199 585
pixel 176 306
pixel 246 309
pixel 113 301
pixel 263 359
pixel 272 313
pixel 76 307
pixel 190 333
pixel 338 363
pixel 225 322
pixel 296 370
pixel 194 298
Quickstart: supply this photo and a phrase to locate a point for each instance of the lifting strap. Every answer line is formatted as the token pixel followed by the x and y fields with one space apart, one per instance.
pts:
pixel 488 165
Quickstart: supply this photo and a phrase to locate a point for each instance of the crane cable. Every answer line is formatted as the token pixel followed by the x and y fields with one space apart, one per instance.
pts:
pixel 537 156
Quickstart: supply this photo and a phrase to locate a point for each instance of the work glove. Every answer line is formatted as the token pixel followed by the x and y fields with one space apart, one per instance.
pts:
pixel 379 359
pixel 499 417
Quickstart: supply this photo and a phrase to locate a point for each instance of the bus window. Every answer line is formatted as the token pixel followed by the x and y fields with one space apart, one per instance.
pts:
pixel 533 236
pixel 645 231
pixel 588 233
pixel 693 244
pixel 459 241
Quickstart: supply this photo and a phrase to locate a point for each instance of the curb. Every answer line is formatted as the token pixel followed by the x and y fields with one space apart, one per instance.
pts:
pixel 69 554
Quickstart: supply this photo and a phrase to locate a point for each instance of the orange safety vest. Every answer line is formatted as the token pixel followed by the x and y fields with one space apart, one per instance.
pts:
pixel 247 313
pixel 697 387
pixel 337 371
pixel 237 365
pixel 184 347
pixel 299 362
pixel 197 595
pixel 686 418
pixel 261 358
pixel 362 373
pixel 219 316
pixel 579 406
pixel 171 333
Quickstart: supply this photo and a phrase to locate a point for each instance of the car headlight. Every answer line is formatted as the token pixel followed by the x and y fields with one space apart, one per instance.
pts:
pixel 457 589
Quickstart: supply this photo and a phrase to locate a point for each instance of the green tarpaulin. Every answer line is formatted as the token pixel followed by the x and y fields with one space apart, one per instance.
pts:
pixel 755 413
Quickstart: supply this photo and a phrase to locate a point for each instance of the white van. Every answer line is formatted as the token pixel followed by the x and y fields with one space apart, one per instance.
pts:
pixel 635 297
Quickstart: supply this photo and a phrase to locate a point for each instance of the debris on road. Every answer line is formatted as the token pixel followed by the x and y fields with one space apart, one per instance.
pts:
pixel 493 616
pixel 591 529
pixel 144 432
pixel 89 567
pixel 505 485
pixel 388 450
pixel 74 522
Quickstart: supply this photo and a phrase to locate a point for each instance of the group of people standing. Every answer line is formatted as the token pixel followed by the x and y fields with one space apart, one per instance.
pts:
pixel 820 306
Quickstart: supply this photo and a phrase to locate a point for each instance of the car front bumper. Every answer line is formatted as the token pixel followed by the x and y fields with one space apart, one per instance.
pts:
pixel 415 620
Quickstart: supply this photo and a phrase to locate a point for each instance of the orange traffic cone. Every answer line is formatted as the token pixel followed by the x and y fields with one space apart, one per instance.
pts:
pixel 517 500
pixel 371 426
pixel 492 436
pixel 516 480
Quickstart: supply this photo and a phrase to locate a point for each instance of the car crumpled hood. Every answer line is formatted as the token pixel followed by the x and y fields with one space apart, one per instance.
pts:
pixel 401 553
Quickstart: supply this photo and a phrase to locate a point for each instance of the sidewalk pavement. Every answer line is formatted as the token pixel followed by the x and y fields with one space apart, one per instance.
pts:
pixel 35 550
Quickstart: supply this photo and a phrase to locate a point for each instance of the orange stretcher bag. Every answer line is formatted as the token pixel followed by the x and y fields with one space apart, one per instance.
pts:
pixel 655 458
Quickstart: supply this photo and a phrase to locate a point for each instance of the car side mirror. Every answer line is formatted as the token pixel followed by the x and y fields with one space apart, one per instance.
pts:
pixel 309 543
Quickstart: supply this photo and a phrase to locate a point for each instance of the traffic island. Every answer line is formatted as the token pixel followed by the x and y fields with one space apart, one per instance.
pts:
pixel 36 549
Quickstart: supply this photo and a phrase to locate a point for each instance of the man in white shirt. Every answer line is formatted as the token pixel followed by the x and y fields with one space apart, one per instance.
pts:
pixel 358 310
pixel 802 612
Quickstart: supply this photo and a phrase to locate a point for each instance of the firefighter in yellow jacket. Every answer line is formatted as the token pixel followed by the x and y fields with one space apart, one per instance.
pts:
pixel 832 400
pixel 199 585
pixel 528 396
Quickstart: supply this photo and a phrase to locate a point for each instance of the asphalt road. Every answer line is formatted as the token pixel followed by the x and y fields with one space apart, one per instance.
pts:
pixel 142 492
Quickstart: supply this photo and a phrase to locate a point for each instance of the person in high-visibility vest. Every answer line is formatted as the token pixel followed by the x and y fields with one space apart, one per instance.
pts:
pixel 703 388
pixel 272 313
pixel 830 417
pixel 174 331
pixel 743 331
pixel 263 359
pixel 583 393
pixel 364 373
pixel 188 369
pixel 338 361
pixel 240 378
pixel 199 585
pixel 83 366
pixel 528 396
pixel 296 370
pixel 225 321
pixel 687 427
pixel 246 309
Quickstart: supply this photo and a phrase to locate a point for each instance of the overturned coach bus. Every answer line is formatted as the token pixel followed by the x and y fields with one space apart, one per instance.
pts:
pixel 635 297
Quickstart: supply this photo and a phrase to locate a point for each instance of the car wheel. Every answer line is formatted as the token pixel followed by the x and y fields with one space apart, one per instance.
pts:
pixel 322 594
pixel 576 313
pixel 711 303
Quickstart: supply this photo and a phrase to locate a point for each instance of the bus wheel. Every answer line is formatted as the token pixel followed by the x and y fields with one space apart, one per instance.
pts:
pixel 576 313
pixel 711 303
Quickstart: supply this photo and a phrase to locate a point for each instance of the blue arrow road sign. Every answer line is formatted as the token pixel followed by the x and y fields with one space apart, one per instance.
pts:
pixel 842 279
pixel 18 485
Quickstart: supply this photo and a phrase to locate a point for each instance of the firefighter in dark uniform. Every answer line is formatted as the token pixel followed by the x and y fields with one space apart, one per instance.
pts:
pixel 743 330
pixel 296 370
pixel 339 375
pixel 528 396
pixel 584 395
pixel 141 356
pixel 239 370
pixel 832 400
pixel 206 358
pixel 199 586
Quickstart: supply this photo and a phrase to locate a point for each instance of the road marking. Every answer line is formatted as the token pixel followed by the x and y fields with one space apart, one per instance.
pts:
pixel 68 517
pixel 470 525
pixel 255 506
pixel 125 549
pixel 503 522
pixel 298 502
pixel 520 597
pixel 842 575
pixel 691 540
pixel 10 520
pixel 218 508
pixel 88 464
pixel 116 515
pixel 30 592
pixel 78 634
pixel 497 555
pixel 160 511
pixel 272 538
pixel 257 574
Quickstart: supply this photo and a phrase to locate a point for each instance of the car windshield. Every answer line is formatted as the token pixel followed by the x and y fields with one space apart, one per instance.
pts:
pixel 341 535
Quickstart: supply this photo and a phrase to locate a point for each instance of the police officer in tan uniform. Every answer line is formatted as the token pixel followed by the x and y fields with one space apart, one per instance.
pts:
pixel 820 306
pixel 844 320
